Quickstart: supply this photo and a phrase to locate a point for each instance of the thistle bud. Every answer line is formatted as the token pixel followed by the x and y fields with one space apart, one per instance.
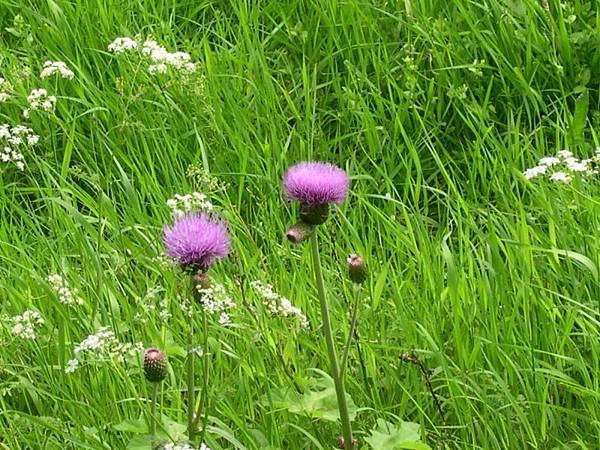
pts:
pixel 201 280
pixel 314 214
pixel 155 365
pixel 357 268
pixel 299 232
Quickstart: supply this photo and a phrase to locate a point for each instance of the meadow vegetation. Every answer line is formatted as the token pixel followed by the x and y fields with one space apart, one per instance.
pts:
pixel 479 321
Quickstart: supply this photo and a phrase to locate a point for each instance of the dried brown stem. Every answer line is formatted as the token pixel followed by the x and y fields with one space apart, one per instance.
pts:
pixel 414 359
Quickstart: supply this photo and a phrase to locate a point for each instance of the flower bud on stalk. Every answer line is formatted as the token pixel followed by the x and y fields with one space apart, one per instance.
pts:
pixel 201 280
pixel 155 365
pixel 299 232
pixel 357 269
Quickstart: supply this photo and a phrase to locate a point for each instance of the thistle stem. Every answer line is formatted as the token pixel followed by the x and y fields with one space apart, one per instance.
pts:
pixel 153 418
pixel 191 394
pixel 352 331
pixel 338 377
pixel 203 405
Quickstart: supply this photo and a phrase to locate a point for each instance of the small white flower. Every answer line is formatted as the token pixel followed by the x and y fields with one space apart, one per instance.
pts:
pixel 72 365
pixel 561 177
pixel 104 346
pixel 575 165
pixel 277 304
pixel 564 154
pixel 157 68
pixel 33 139
pixel 182 204
pixel 39 99
pixel 122 44
pixel 549 161
pixel 56 67
pixel 215 299
pixel 24 325
pixel 224 319
pixel 150 46
pixel 16 136
pixel 535 172
pixel 66 295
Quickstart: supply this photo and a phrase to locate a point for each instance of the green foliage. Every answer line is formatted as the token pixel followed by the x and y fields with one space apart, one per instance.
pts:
pixel 435 108
pixel 319 402
pixel 387 436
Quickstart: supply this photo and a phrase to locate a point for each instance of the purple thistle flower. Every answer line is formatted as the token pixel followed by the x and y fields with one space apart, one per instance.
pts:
pixel 196 240
pixel 316 183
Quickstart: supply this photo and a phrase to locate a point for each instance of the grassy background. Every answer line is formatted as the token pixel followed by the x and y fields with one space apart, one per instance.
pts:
pixel 434 107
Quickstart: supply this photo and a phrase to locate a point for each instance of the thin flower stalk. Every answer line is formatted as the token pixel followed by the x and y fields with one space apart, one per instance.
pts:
pixel 352 332
pixel 337 375
pixel 191 388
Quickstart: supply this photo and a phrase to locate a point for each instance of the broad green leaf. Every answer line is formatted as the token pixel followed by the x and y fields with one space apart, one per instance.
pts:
pixel 580 116
pixel 132 426
pixel 141 442
pixel 387 436
pixel 175 430
pixel 319 402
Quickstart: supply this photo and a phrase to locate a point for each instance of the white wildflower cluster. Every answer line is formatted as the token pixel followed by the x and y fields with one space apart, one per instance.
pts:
pixel 103 346
pixel 12 142
pixel 23 326
pixel 150 303
pixel 56 67
pixel 160 59
pixel 171 446
pixel 122 44
pixel 277 304
pixel 215 300
pixel 39 100
pixel 4 90
pixel 66 295
pixel 182 204
pixel 563 167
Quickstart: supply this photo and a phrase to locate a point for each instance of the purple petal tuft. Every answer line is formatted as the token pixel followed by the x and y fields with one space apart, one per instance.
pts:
pixel 316 183
pixel 196 240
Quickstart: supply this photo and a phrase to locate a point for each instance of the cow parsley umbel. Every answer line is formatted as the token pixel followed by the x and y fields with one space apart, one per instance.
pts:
pixel 56 67
pixel 564 167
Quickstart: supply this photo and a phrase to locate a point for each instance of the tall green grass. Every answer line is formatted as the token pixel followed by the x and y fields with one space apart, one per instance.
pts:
pixel 434 107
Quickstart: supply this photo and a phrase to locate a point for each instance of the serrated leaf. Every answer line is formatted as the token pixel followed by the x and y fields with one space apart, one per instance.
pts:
pixel 132 426
pixel 320 402
pixel 175 430
pixel 143 442
pixel 389 436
